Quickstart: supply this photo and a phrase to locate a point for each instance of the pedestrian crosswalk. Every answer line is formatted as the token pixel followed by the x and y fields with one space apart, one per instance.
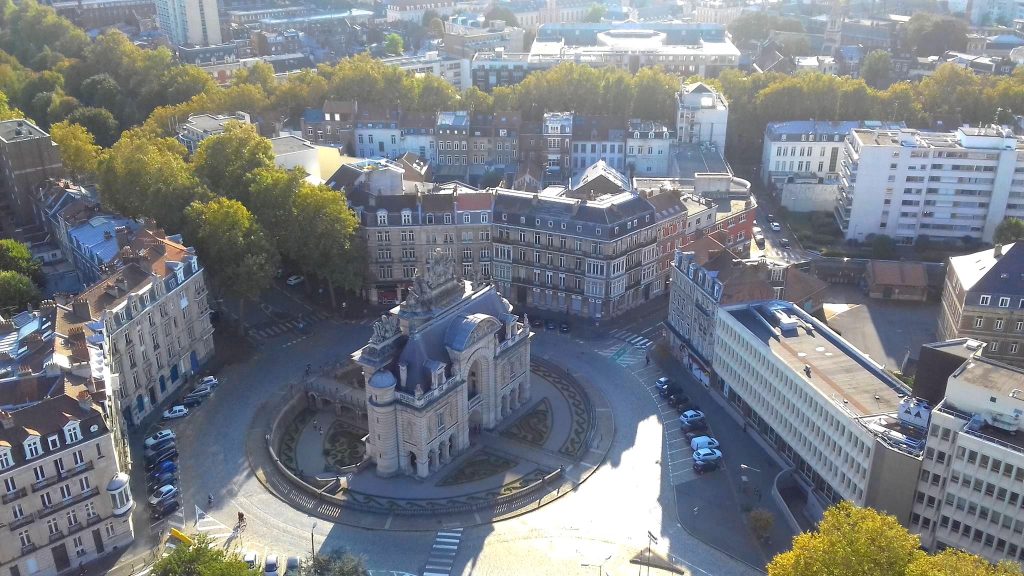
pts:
pixel 272 330
pixel 442 555
pixel 631 338
pixel 211 527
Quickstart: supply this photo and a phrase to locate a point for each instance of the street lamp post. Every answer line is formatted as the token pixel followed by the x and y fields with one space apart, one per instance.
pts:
pixel 312 548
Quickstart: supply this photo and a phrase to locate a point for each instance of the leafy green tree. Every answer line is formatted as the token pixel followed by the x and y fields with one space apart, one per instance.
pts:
pixel 654 95
pixel 60 108
pixel 394 44
pixel 322 238
pixel 595 14
pixel 432 94
pixel 933 34
pixel 145 176
pixel 46 81
pixel 304 89
pixel 849 541
pixel 6 111
pixel 101 91
pixel 17 257
pixel 883 247
pixel 333 564
pixel 29 28
pixel 16 291
pixel 474 99
pixel 201 558
pixel 260 74
pixel 1009 230
pixel 952 562
pixel 757 26
pixel 78 149
pixel 498 12
pixel 99 122
pixel 271 192
pixel 223 161
pixel 233 247
pixel 182 83
pixel 876 69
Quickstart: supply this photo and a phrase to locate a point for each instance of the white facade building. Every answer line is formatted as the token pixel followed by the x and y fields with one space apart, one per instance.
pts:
pixel 454 70
pixel 806 147
pixel 648 148
pixel 703 116
pixel 946 185
pixel 189 22
pixel 294 152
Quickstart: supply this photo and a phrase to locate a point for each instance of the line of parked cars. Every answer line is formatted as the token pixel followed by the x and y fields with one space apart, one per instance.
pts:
pixel 272 565
pixel 706 455
pixel 549 324
pixel 161 454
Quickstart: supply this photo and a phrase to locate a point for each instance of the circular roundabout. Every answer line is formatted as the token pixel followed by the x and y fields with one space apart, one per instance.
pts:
pixel 312 456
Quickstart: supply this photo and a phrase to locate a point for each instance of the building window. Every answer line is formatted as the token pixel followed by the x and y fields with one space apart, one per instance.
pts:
pixel 993 346
pixel 5 458
pixel 25 538
pixel 65 492
pixel 1004 302
pixel 998 324
pixel 985 299
pixel 33 447
pixel 382 218
pixel 978 322
pixel 447 218
pixel 53 442
pixel 406 217
pixel 1013 348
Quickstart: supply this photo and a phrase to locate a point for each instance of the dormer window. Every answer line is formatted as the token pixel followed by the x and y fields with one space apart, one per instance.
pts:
pixel 447 218
pixel 33 447
pixel 72 432
pixel 430 218
pixel 6 460
pixel 382 218
pixel 406 217
pixel 53 442
pixel 985 300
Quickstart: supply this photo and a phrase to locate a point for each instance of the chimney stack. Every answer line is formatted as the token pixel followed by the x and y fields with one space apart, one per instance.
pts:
pixel 81 308
pixel 84 400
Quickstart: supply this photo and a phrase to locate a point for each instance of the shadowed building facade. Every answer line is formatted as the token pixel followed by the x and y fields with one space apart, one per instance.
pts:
pixel 449 361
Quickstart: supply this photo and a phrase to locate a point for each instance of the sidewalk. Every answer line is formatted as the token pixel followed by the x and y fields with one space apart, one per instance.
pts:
pixel 731 534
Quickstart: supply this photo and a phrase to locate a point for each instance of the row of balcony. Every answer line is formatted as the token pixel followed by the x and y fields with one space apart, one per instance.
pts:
pixel 67 473
pixel 64 504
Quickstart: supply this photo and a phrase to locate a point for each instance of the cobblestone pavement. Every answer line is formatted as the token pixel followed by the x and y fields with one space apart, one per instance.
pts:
pixel 607 518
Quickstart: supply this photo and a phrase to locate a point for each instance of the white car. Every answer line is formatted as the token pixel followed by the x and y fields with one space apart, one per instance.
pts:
pixel 165 492
pixel 271 567
pixel 175 412
pixel 707 455
pixel 703 442
pixel 209 381
pixel 158 438
pixel 775 226
pixel 252 559
pixel 756 230
pixel 691 416
pixel 294 280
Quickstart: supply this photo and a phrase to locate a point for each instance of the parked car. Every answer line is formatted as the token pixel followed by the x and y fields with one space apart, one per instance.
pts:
pixel 291 566
pixel 679 399
pixel 158 437
pixel 164 467
pixel 191 401
pixel 785 242
pixel 664 386
pixel 707 455
pixel 270 568
pixel 537 322
pixel 564 328
pixel 294 280
pixel 691 416
pixel 702 466
pixel 210 381
pixel 164 509
pixel 152 463
pixel 175 412
pixel 165 492
pixel 550 325
pixel 759 240
pixel 697 427
pixel 252 559
pixel 703 442
pixel 771 217
pixel 202 390
pixel 775 226
pixel 158 447
pixel 164 479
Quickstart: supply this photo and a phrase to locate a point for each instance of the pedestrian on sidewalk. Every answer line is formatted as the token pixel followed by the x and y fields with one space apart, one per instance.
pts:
pixel 648 359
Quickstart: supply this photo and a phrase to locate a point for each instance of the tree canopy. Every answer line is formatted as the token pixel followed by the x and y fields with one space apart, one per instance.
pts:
pixel 1009 230
pixel 222 162
pixel 16 291
pixel 333 564
pixel 201 558
pixel 852 541
pixel 78 149
pixel 17 257
pixel 757 26
pixel 930 34
pixel 876 69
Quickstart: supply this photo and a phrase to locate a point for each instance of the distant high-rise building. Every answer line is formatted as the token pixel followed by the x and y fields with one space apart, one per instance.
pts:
pixel 189 22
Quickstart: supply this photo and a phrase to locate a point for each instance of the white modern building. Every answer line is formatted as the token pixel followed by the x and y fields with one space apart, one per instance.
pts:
pixel 189 22
pixel 948 186
pixel 971 485
pixel 826 408
pixel 199 127
pixel 808 147
pixel 295 152
pixel 703 116
pixel 454 70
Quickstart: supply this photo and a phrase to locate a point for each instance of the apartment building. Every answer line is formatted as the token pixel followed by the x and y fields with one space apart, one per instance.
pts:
pixel 499 67
pixel 807 147
pixel 199 127
pixel 969 494
pixel 453 139
pixel 453 69
pixel 983 299
pixel 418 134
pixel 648 148
pixel 334 124
pixel 413 10
pixel 703 282
pixel 595 250
pixel 403 229
pixel 948 186
pixel 27 157
pixel 556 133
pixel 65 498
pixel 189 22
pixel 151 317
pixel 595 139
pixel 718 11
pixel 702 116
pixel 463 41
pixel 826 408
pixel 378 134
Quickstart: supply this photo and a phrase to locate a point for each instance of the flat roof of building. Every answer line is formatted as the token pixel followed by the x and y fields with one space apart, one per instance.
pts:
pixel 19 129
pixel 289 145
pixel 837 370
pixel 692 159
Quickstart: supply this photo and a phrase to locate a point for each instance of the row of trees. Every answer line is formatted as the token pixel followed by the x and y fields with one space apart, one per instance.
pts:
pixel 852 541
pixel 203 557
pixel 950 97
pixel 20 276
pixel 242 213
